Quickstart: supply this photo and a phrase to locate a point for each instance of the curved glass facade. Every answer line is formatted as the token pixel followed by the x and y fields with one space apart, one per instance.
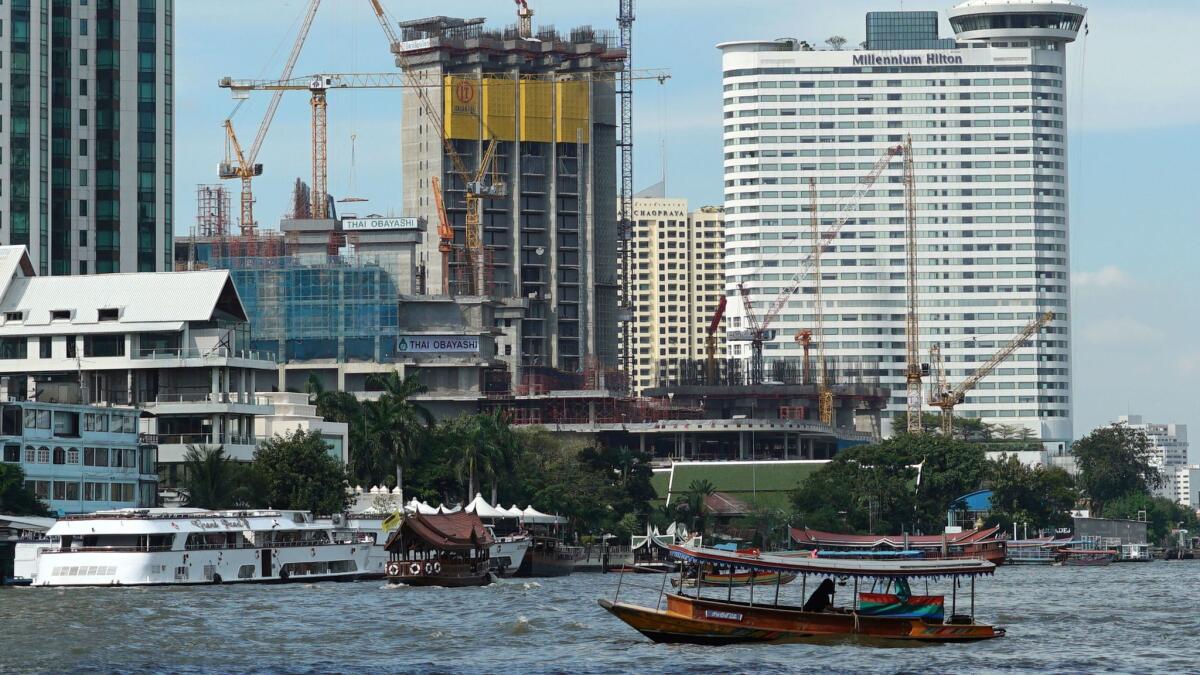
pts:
pixel 1017 21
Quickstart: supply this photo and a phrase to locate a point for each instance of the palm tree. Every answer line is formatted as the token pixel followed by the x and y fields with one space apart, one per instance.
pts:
pixel 498 447
pixel 211 479
pixel 697 493
pixel 395 425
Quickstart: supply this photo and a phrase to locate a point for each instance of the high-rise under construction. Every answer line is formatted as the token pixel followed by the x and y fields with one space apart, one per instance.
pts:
pixel 537 110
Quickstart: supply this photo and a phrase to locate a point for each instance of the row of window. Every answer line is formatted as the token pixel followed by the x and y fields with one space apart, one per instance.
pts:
pixel 121 458
pixel 93 345
pixel 86 491
pixel 867 84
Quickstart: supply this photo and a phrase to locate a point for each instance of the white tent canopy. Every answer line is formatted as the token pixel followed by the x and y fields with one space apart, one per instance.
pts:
pixel 481 508
pixel 414 506
pixel 514 511
pixel 532 515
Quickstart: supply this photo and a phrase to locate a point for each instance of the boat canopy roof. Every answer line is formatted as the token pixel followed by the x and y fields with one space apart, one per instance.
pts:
pixel 817 538
pixel 459 532
pixel 872 569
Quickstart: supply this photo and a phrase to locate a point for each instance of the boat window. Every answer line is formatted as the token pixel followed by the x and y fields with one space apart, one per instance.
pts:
pixel 246 572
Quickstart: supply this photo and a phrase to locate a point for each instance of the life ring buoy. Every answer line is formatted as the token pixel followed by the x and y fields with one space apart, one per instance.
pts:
pixel 437 568
pixel 393 569
pixel 415 569
pixel 428 568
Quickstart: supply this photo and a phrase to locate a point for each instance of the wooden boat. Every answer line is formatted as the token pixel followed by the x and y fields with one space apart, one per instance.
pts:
pixel 1082 557
pixel 712 577
pixel 444 549
pixel 549 557
pixel 986 544
pixel 897 616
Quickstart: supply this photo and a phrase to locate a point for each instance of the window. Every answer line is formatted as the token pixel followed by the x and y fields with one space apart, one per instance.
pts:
pixel 13 348
pixel 73 456
pixel 43 455
pixel 104 345
pixel 83 57
pixel 83 87
pixel 83 117
pixel 72 491
pixel 122 492
pixel 95 492
pixel 60 456
pixel 83 147
pixel 83 27
pixel 60 490
pixel 60 315
pixel 71 346
pixel 45 346
pixel 14 316
pixel 12 453
pixel 109 314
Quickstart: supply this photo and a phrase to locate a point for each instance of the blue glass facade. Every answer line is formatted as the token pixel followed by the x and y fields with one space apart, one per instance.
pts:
pixel 905 30
pixel 314 307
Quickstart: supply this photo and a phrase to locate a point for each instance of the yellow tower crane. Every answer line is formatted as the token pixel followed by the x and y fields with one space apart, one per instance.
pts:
pixel 942 396
pixel 912 328
pixel 824 393
pixel 242 165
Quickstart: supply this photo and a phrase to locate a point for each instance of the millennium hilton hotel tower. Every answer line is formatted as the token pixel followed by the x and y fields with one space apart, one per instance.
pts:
pixel 986 112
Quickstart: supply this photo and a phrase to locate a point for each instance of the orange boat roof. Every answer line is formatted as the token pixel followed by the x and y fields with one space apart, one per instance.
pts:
pixel 817 538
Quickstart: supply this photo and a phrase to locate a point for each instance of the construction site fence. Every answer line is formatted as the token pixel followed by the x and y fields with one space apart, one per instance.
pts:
pixel 737 373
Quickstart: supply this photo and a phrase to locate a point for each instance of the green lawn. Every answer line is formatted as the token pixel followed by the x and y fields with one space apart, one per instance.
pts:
pixel 765 484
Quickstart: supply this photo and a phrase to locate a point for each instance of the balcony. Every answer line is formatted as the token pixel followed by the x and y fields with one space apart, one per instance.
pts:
pixel 204 354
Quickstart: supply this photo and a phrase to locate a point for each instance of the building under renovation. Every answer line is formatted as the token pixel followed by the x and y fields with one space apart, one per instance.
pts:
pixel 525 124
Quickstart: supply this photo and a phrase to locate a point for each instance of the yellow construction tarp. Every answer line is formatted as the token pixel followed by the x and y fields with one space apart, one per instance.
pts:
pixel 537 111
pixel 572 112
pixel 500 108
pixel 463 107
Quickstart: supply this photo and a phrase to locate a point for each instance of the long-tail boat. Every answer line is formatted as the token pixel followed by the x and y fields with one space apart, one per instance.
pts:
pixel 886 611
pixel 984 543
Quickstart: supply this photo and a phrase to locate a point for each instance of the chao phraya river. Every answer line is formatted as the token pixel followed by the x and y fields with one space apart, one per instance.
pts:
pixel 1124 618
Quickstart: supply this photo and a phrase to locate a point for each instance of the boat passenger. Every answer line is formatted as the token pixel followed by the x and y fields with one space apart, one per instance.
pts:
pixel 822 598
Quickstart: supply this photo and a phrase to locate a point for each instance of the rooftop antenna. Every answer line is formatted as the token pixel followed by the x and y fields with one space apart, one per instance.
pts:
pixel 353 173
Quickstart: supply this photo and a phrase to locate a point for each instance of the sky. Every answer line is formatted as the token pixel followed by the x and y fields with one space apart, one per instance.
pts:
pixel 1133 113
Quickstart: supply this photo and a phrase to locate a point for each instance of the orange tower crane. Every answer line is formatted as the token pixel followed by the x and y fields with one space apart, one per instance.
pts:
pixel 942 396
pixel 912 329
pixel 242 165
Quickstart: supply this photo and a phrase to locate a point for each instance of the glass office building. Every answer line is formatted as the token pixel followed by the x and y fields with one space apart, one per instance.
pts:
pixel 905 30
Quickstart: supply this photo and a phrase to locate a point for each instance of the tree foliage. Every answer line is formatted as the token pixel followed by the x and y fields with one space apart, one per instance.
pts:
pixel 213 480
pixel 904 484
pixel 1162 515
pixel 1040 496
pixel 1115 461
pixel 297 472
pixel 15 498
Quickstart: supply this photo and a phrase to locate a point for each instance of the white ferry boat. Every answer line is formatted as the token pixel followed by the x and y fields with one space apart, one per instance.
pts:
pixel 131 547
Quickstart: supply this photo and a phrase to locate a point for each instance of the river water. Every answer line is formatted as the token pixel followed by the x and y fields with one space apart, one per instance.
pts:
pixel 1123 618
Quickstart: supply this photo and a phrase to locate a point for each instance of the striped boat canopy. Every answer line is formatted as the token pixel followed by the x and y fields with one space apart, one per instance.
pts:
pixel 805 564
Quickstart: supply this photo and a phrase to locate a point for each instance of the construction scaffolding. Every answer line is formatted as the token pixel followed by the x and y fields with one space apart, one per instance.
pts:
pixel 314 306
pixel 212 210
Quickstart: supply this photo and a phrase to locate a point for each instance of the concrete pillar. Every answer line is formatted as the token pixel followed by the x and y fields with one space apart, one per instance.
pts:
pixel 642 442
pixel 741 445
pixel 242 391
pixel 129 387
pixel 341 378
pixel 216 384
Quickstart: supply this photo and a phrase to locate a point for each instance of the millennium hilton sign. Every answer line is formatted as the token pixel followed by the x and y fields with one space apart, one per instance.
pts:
pixel 930 59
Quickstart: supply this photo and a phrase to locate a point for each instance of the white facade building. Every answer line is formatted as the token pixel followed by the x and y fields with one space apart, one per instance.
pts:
pixel 175 344
pixel 988 127
pixel 1169 444
pixel 292 412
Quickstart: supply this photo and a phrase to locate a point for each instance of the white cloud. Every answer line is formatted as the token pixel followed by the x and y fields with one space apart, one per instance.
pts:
pixel 1118 330
pixel 1107 277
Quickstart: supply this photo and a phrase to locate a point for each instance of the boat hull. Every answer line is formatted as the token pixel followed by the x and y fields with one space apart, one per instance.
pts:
pixel 703 621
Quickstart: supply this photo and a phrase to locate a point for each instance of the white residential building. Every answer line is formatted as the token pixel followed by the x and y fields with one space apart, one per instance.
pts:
pixel 1169 444
pixel 174 344
pixel 292 412
pixel 987 119
pixel 1184 485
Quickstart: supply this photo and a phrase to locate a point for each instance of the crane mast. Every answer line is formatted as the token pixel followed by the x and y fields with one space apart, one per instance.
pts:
pixel 759 327
pixel 245 167
pixel 824 394
pixel 945 398
pixel 625 243
pixel 912 329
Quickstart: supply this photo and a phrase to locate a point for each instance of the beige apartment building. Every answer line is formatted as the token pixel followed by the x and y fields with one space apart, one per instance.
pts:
pixel 678 281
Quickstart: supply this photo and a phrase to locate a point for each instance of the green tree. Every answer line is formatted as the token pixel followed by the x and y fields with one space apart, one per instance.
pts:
pixel 367 465
pixel 213 480
pixel 298 472
pixel 1162 515
pixel 1114 461
pixel 836 42
pixel 396 426
pixel 15 498
pixel 696 500
pixel 498 446
pixel 904 484
pixel 965 428
pixel 1041 496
